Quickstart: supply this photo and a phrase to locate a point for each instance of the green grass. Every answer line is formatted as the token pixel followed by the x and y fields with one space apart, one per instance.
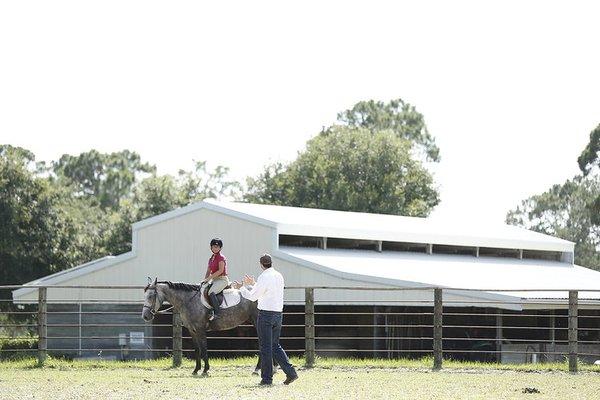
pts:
pixel 424 363
pixel 330 379
pixel 427 363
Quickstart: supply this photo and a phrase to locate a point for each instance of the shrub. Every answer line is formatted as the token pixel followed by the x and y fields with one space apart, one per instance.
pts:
pixel 15 348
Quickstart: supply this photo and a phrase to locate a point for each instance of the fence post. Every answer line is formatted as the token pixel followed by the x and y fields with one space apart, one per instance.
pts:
pixel 437 329
pixel 573 331
pixel 42 325
pixel 309 322
pixel 177 341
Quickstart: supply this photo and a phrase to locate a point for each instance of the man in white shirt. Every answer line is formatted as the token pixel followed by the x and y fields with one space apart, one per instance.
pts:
pixel 268 290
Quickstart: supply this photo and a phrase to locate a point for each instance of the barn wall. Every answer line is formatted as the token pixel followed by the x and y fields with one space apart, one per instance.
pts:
pixel 175 249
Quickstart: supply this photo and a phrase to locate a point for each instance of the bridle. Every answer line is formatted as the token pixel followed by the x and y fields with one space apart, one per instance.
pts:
pixel 153 308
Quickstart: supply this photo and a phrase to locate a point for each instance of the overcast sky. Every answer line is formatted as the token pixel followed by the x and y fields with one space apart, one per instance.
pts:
pixel 510 90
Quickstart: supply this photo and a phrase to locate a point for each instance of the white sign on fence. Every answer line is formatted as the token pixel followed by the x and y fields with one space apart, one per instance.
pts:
pixel 136 337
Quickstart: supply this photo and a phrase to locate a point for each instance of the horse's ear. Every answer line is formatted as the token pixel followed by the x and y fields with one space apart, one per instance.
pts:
pixel 155 280
pixel 149 280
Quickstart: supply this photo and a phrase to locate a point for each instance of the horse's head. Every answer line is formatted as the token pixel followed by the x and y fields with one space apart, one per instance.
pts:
pixel 153 299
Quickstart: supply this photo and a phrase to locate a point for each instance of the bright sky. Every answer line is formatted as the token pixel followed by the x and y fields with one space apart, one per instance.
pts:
pixel 510 91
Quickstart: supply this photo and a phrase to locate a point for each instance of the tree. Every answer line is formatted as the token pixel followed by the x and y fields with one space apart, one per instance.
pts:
pixel 399 117
pixel 202 183
pixel 590 156
pixel 108 178
pixel 351 169
pixel 36 236
pixel 589 161
pixel 563 211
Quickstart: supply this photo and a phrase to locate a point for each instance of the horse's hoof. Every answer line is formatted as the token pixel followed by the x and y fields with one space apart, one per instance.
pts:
pixel 255 372
pixel 195 373
pixel 204 374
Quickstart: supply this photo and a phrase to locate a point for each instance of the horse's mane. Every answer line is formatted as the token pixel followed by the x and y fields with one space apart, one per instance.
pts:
pixel 187 287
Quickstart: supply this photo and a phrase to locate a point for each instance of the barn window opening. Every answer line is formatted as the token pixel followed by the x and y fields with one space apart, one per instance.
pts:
pixel 300 241
pixel 496 252
pixel 542 255
pixel 355 244
pixel 403 246
pixel 455 250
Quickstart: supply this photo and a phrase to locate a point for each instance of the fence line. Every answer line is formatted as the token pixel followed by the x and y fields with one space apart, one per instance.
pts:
pixel 571 320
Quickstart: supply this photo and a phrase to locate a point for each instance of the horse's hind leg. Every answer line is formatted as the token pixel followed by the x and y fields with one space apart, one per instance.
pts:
pixel 257 368
pixel 253 318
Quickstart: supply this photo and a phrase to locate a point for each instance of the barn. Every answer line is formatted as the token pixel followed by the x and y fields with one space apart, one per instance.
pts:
pixel 505 288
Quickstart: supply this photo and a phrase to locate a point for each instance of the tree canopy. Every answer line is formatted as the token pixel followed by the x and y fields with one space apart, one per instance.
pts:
pixel 369 162
pixel 570 210
pixel 589 163
pixel 107 178
pixel 397 116
pixel 590 156
pixel 36 235
pixel 351 169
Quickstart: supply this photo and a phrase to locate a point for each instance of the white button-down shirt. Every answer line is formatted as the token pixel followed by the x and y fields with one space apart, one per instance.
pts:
pixel 268 290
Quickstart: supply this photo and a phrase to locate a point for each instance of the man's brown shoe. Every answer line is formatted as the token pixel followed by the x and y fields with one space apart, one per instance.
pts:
pixel 289 379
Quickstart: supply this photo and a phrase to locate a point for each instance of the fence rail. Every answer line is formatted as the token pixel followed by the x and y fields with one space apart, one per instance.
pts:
pixel 431 325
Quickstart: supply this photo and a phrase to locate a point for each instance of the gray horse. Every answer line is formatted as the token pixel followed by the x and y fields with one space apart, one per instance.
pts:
pixel 185 299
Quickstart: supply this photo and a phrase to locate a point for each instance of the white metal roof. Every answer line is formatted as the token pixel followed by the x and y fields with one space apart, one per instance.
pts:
pixel 344 224
pixel 464 272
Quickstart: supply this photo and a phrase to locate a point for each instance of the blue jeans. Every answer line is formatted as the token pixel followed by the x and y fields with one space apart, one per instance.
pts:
pixel 269 327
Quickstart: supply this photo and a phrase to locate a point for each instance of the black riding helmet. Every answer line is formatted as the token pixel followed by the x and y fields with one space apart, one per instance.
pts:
pixel 217 242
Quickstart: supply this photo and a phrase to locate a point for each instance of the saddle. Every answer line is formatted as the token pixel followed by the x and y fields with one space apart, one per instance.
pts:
pixel 227 298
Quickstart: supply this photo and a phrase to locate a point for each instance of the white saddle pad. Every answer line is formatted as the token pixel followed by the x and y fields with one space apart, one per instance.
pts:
pixel 231 297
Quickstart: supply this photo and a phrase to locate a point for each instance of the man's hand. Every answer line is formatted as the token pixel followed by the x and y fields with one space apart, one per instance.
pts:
pixel 249 280
pixel 236 285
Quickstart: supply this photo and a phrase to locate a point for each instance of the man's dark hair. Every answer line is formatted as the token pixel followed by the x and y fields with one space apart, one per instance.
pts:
pixel 266 260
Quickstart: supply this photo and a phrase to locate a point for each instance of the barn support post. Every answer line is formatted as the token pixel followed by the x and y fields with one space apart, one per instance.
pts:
pixel 572 331
pixel 499 335
pixel 79 331
pixel 309 323
pixel 177 340
pixel 42 322
pixel 437 329
pixel 323 243
pixel 553 335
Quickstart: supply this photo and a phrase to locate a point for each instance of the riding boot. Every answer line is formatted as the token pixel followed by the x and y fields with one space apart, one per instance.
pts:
pixel 214 302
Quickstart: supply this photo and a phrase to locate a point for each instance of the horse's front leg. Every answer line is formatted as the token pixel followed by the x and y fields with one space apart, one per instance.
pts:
pixel 197 353
pixel 204 354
